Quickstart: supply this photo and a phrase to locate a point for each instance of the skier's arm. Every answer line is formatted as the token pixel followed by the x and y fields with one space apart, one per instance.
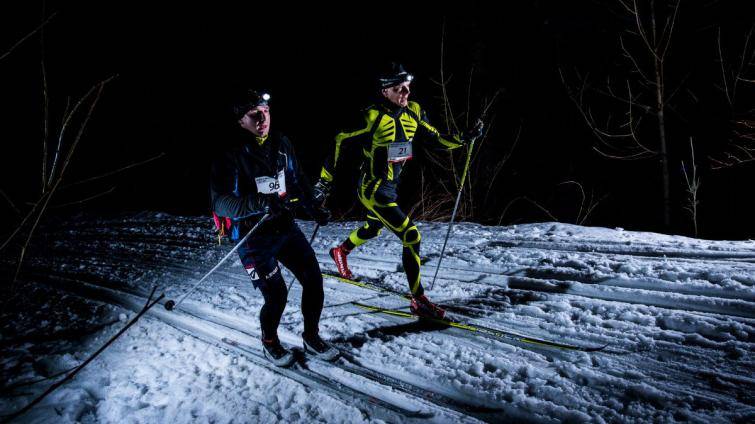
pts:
pixel 222 197
pixel 345 139
pixel 304 195
pixel 424 127
pixel 300 180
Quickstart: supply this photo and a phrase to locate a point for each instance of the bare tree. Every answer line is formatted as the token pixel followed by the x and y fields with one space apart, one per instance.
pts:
pixel 438 192
pixel 585 207
pixel 643 94
pixel 737 75
pixel 693 185
pixel 61 162
pixel 587 204
pixel 57 151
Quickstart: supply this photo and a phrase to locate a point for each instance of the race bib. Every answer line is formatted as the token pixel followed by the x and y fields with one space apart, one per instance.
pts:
pixel 270 185
pixel 399 152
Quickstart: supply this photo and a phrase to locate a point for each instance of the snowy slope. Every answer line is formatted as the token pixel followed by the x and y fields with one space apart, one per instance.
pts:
pixel 676 313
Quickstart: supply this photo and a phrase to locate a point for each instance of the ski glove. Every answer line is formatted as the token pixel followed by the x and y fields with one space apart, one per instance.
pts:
pixel 320 191
pixel 321 215
pixel 474 132
pixel 268 203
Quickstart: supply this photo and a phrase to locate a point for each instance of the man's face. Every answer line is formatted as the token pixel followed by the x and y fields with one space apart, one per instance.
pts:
pixel 398 94
pixel 257 121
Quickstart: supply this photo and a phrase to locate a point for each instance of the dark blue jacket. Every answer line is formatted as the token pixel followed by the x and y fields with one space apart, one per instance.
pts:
pixel 233 190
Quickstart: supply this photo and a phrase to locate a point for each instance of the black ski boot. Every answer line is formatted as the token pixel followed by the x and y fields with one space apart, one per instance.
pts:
pixel 276 353
pixel 318 347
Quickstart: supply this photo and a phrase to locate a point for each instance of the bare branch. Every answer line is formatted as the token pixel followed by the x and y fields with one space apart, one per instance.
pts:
pixel 10 202
pixel 744 63
pixel 591 207
pixel 582 193
pixel 79 202
pixel 502 162
pixel 693 185
pixel 670 23
pixel 67 117
pixel 107 174
pixel 641 31
pixel 516 199
pixel 99 87
pixel 45 123
pixel 605 136
pixel 631 58
pixel 23 221
pixel 26 37
pixel 723 70
pixel 635 156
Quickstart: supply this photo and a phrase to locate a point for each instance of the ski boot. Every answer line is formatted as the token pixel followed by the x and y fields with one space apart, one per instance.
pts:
pixel 339 257
pixel 319 348
pixel 276 353
pixel 423 308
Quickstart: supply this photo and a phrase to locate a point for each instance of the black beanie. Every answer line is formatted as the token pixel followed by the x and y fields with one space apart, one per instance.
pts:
pixel 393 74
pixel 249 100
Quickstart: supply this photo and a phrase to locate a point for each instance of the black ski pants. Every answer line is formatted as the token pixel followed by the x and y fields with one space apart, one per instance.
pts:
pixel 260 256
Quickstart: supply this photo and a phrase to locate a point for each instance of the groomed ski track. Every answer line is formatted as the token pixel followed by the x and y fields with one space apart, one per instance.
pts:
pixel 677 314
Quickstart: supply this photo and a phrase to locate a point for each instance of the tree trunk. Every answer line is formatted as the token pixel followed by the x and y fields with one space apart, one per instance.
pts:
pixel 662 138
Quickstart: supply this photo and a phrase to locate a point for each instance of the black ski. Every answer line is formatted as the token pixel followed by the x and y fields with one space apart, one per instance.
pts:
pixel 302 374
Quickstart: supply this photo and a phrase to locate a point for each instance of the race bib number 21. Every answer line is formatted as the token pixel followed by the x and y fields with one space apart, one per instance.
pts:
pixel 399 152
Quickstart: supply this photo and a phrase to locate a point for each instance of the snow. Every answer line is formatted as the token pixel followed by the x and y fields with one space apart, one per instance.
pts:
pixel 677 315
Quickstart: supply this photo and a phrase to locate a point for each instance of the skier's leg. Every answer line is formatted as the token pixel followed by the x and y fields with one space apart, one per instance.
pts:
pixel 297 255
pixel 401 225
pixel 262 267
pixel 371 229
pixel 380 200
pixel 382 203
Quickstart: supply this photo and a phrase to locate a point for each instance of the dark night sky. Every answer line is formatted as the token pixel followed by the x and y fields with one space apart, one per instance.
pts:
pixel 176 63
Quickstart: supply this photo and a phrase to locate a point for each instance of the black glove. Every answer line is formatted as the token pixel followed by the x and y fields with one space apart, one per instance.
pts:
pixel 473 133
pixel 321 215
pixel 269 204
pixel 320 191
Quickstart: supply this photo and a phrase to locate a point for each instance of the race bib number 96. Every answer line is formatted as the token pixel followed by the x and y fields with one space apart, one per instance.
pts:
pixel 270 185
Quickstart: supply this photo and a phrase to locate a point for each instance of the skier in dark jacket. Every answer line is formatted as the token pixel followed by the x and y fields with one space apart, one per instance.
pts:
pixel 258 176
pixel 385 137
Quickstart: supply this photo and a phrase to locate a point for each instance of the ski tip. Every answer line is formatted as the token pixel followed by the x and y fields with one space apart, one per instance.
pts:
pixel 420 414
pixel 596 348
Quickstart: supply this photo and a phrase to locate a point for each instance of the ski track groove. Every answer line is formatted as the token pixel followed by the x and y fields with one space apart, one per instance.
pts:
pixel 137 252
pixel 607 380
pixel 187 270
pixel 447 398
pixel 191 323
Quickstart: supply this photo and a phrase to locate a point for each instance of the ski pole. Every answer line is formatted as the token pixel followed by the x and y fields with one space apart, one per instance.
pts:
pixel 172 304
pixel 456 206
pixel 314 234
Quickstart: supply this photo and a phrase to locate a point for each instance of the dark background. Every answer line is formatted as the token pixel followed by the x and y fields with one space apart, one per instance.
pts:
pixel 177 63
